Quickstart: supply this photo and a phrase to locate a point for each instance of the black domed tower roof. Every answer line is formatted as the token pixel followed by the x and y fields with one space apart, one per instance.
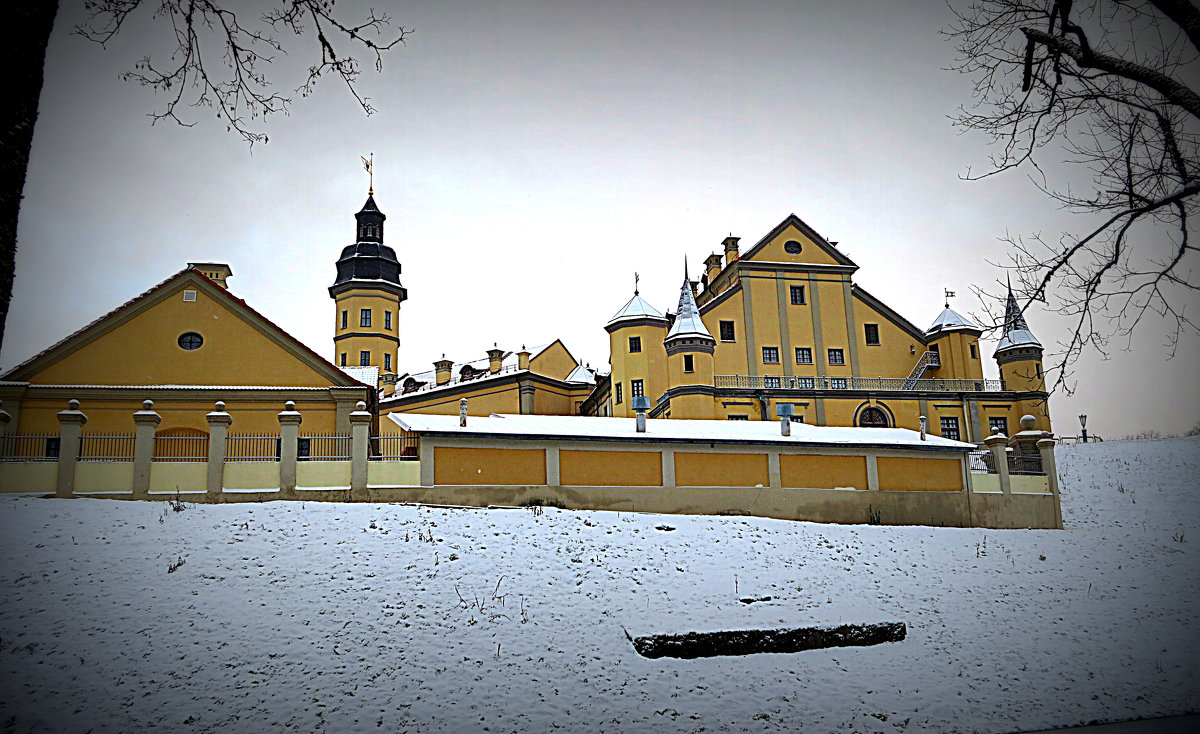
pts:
pixel 369 263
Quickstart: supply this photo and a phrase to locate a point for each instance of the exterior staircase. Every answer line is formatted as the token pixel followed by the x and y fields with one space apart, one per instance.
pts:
pixel 928 360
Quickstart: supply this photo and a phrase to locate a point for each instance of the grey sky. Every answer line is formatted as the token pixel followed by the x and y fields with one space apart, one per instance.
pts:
pixel 530 157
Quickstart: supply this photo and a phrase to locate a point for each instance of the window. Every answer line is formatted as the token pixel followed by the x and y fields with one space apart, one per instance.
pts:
pixel 998 425
pixel 635 388
pixel 737 417
pixel 803 355
pixel 635 344
pixel 387 363
pixel 873 418
pixel 837 356
pixel 950 428
pixel 189 296
pixel 345 318
pixel 934 348
pixel 343 359
pixel 805 383
pixel 387 319
pixel 190 341
pixel 618 400
pixel 364 359
pixel 792 247
pixel 364 317
pixel 871 332
pixel 798 295
pixel 837 383
pixel 688 364
pixel 1039 371
pixel 974 352
pixel 727 334
pixel 770 355
pixel 770 382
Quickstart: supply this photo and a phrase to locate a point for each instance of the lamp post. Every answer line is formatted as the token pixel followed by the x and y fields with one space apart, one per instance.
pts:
pixel 1083 426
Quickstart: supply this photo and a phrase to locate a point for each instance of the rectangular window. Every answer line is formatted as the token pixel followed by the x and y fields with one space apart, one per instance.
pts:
pixel 635 388
pixel 618 400
pixel 974 352
pixel 727 333
pixel 950 428
pixel 837 383
pixel 770 382
pixel 837 356
pixel 345 318
pixel 635 344
pixel 364 359
pixel 803 355
pixel 805 383
pixel 688 364
pixel 387 319
pixel 998 425
pixel 871 332
pixel 343 359
pixel 798 295
pixel 364 317
pixel 770 355
pixel 387 363
pixel 737 417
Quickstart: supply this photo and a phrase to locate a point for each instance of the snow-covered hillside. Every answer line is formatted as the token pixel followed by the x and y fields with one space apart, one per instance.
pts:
pixel 121 616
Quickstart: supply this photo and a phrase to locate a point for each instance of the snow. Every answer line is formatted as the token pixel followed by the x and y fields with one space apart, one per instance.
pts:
pixel 560 426
pixel 368 617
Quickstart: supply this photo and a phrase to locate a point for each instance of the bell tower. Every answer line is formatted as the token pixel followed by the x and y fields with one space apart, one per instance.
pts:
pixel 367 295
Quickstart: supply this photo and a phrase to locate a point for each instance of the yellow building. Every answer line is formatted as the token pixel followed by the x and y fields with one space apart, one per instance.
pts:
pixel 784 324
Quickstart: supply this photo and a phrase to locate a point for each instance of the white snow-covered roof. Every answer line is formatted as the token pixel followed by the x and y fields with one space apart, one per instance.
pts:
pixel 687 321
pixel 636 308
pixel 1016 330
pixel 367 375
pixel 1017 338
pixel 670 429
pixel 951 320
pixel 581 374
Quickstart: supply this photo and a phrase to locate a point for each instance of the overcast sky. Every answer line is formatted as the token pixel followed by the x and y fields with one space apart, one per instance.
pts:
pixel 530 157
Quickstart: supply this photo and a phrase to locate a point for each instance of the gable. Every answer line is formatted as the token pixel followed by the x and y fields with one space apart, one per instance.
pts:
pixel 553 361
pixel 139 344
pixel 813 248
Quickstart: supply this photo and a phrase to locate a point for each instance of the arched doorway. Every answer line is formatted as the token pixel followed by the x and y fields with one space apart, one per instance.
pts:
pixel 872 418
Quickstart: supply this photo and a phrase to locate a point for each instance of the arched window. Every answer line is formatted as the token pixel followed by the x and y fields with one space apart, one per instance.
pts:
pixel 873 418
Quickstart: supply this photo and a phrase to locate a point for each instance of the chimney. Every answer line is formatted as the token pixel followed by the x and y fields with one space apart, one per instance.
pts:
pixel 523 358
pixel 388 380
pixel 495 359
pixel 442 370
pixel 641 403
pixel 712 267
pixel 462 413
pixel 216 272
pixel 731 250
pixel 924 426
pixel 785 411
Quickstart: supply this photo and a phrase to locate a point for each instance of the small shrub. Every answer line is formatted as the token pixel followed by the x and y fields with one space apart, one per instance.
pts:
pixel 539 502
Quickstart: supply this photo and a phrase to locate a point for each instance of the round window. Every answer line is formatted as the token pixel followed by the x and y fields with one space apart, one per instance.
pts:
pixel 792 247
pixel 190 341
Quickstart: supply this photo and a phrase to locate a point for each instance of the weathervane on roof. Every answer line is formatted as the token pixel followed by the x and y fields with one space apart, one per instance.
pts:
pixel 369 166
pixel 949 295
pixel 636 278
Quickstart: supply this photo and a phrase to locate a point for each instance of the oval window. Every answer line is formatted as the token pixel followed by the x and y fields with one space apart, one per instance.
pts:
pixel 190 341
pixel 791 247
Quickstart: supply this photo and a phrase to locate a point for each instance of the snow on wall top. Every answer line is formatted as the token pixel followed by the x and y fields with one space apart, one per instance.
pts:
pixel 672 430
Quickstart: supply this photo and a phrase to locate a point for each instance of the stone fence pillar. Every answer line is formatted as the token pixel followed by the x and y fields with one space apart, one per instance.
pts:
pixel 360 436
pixel 1050 466
pixel 289 441
pixel 998 444
pixel 145 421
pixel 70 429
pixel 218 430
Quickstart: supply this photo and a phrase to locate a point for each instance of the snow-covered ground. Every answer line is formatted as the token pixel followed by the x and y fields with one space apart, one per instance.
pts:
pixel 360 617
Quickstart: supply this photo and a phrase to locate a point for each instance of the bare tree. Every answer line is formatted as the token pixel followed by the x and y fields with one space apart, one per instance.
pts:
pixel 219 61
pixel 1107 88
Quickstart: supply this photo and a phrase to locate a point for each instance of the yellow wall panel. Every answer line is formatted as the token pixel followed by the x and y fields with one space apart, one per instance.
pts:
pixel 720 470
pixel 488 466
pixel 610 468
pixel 903 473
pixel 823 472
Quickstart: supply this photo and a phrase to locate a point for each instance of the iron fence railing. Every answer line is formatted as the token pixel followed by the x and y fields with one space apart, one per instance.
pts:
pixel 102 447
pixel 1025 464
pixel 29 447
pixel 395 448
pixel 761 382
pixel 982 462
pixel 240 447
pixel 323 448
pixel 181 448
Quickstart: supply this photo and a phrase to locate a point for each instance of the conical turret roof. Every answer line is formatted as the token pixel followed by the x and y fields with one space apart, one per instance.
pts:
pixel 687 319
pixel 636 308
pixel 951 320
pixel 1016 331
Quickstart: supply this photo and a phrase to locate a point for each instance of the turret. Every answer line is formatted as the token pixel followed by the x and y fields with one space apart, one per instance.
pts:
pixel 689 347
pixel 636 353
pixel 955 338
pixel 1019 353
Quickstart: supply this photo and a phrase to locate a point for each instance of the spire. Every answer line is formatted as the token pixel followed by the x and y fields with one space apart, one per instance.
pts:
pixel 1016 330
pixel 687 319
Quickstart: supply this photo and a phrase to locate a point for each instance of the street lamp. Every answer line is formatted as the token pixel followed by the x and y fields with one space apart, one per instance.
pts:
pixel 1083 426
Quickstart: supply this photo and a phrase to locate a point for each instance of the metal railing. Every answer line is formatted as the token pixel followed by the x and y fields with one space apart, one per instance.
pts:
pixel 29 447
pixel 760 382
pixel 180 448
pixel 982 462
pixel 927 360
pixel 240 447
pixel 323 448
pixel 102 447
pixel 395 448
pixel 425 381
pixel 1025 464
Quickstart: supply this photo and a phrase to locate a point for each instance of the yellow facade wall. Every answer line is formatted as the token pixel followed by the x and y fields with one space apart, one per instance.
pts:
pixel 898 351
pixel 648 365
pixel 720 470
pixel 904 473
pixel 729 357
pixel 810 252
pixel 453 465
pixel 485 400
pixel 610 468
pixel 814 471
pixel 553 361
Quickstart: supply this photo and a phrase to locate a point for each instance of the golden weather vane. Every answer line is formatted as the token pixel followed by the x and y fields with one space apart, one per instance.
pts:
pixel 369 166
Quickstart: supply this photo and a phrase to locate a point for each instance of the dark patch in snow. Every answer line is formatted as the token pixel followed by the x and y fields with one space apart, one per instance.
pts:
pixel 749 642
